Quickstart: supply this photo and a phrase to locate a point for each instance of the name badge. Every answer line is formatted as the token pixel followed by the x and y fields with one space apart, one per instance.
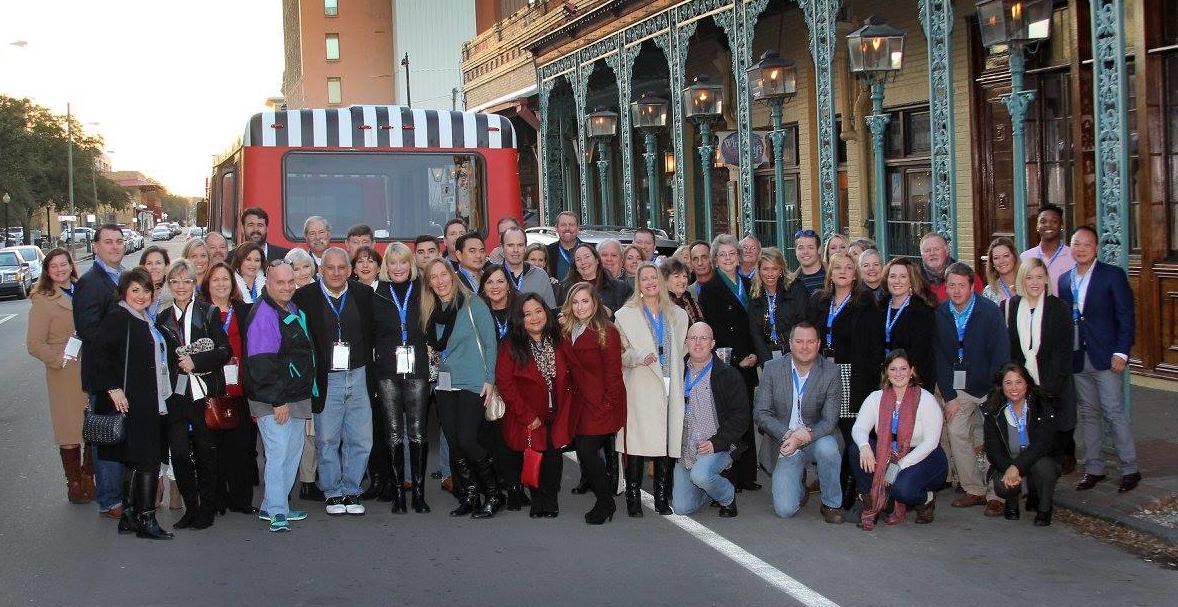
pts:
pixel 1076 336
pixel 406 359
pixel 666 386
pixel 231 374
pixel 775 354
pixel 959 376
pixel 891 473
pixel 181 384
pixel 72 348
pixel 341 353
pixel 444 380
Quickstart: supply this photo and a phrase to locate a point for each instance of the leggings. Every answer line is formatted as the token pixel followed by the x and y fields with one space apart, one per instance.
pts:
pixel 461 413
pixel 594 468
pixel 406 407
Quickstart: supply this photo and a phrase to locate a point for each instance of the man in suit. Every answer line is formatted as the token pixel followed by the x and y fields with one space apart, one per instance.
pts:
pixel 339 319
pixel 797 409
pixel 1102 315
pixel 93 297
pixel 255 226
pixel 560 253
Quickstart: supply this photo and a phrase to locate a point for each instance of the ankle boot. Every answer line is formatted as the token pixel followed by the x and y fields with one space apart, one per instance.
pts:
pixel 206 515
pixel 128 522
pixel 376 485
pixel 418 454
pixel 583 485
pixel 145 486
pixel 662 485
pixel 464 487
pixel 395 487
pixel 635 466
pixel 515 498
pixel 1010 510
pixel 88 489
pixel 71 463
pixel 492 499
pixel 603 510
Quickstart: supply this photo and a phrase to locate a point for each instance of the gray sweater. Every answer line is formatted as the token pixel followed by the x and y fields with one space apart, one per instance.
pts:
pixel 537 281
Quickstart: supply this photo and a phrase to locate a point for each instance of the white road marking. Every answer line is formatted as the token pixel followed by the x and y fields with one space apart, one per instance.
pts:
pixel 6 318
pixel 754 564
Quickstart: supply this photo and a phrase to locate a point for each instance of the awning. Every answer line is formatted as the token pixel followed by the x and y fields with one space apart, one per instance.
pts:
pixel 505 101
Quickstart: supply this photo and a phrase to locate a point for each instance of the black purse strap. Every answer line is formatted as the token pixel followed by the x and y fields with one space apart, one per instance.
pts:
pixel 126 356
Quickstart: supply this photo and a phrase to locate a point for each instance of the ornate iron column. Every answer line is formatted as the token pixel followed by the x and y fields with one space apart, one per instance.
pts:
pixel 1110 88
pixel 622 63
pixel 703 103
pixel 1017 101
pixel 820 19
pixel 747 13
pixel 732 23
pixel 936 16
pixel 877 122
pixel 580 82
pixel 675 46
pixel 546 194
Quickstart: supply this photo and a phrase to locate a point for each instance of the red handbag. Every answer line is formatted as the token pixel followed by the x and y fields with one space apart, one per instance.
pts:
pixel 221 414
pixel 530 473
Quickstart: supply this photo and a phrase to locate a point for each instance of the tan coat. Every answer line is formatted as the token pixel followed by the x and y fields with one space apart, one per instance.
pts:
pixel 51 322
pixel 654 420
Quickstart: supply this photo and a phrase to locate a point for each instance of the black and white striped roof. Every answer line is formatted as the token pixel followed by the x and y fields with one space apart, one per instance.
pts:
pixel 379 126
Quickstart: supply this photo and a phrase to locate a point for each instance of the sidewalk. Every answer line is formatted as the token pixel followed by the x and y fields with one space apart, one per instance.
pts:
pixel 1154 419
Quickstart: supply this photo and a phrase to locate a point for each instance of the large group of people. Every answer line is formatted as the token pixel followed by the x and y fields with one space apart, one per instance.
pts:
pixel 892 380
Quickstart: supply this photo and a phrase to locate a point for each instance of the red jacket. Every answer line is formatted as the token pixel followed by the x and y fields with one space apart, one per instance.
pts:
pixel 599 396
pixel 525 394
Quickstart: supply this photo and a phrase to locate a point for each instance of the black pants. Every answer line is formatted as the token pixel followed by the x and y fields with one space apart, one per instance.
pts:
pixel 544 497
pixel 592 466
pixel 236 464
pixel 1041 479
pixel 404 410
pixel 197 479
pixel 461 414
pixel 378 457
pixel 847 472
pixel 507 462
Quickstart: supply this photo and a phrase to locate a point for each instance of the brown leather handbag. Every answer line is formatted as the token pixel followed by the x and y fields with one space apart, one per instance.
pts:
pixel 221 413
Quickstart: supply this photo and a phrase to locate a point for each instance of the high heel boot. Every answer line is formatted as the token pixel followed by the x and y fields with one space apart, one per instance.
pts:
pixel 464 486
pixel 396 481
pixel 128 522
pixel 662 485
pixel 635 466
pixel 71 463
pixel 492 498
pixel 418 454
pixel 611 466
pixel 144 490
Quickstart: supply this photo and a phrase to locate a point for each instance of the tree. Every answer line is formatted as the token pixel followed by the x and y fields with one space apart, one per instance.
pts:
pixel 176 207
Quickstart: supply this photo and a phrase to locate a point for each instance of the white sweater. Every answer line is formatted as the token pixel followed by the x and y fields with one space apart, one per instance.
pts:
pixel 926 432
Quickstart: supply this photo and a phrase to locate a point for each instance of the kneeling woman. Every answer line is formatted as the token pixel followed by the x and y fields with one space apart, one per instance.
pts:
pixel 530 373
pixel 907 463
pixel 129 340
pixel 1020 444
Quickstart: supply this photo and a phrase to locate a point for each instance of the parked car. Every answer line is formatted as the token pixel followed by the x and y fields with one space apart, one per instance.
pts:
pixel 196 232
pixel 16 276
pixel 138 239
pixel 594 234
pixel 161 232
pixel 34 256
pixel 128 241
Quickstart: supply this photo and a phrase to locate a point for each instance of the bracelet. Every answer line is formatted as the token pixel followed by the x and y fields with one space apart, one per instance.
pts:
pixel 113 390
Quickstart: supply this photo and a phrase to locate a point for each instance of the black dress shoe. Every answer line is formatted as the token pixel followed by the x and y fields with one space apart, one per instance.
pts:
pixel 1089 481
pixel 728 511
pixel 750 486
pixel 1010 510
pixel 1129 482
pixel 1043 519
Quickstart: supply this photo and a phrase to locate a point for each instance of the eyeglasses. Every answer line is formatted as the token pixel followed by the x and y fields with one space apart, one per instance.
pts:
pixel 805 233
pixel 280 262
pixel 176 282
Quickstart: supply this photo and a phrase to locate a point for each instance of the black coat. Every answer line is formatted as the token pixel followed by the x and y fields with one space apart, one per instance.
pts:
pixel 210 366
pixel 856 337
pixel 94 296
pixel 915 333
pixel 791 309
pixel 387 333
pixel 122 337
pixel 553 255
pixel 730 323
pixel 1041 428
pixel 321 326
pixel 732 408
pixel 1055 355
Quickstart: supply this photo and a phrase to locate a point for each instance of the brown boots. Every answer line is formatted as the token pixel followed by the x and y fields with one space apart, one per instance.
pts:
pixel 79 474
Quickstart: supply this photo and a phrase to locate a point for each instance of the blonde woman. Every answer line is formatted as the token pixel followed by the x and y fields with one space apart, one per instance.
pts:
pixel 777 302
pixel 197 252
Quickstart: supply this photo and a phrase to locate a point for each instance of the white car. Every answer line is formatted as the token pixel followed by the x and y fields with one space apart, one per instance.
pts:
pixel 161 232
pixel 33 255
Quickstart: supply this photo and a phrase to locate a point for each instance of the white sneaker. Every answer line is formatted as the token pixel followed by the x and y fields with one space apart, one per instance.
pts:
pixel 352 505
pixel 335 506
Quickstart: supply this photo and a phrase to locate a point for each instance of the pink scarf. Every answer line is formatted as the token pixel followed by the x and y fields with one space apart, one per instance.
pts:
pixel 883 433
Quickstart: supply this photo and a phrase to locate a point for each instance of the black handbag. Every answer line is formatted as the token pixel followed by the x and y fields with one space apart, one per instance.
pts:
pixel 111 428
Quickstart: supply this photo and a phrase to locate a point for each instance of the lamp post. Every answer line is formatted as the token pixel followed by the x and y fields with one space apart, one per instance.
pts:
pixel 650 116
pixel 704 104
pixel 876 53
pixel 601 126
pixel 7 199
pixel 1014 24
pixel 774 82
pixel 408 95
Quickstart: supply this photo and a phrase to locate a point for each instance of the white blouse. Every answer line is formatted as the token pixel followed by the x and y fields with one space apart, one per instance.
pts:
pixel 926 432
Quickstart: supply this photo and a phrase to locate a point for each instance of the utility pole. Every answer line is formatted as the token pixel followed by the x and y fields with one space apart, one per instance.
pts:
pixel 69 129
pixel 454 99
pixel 408 95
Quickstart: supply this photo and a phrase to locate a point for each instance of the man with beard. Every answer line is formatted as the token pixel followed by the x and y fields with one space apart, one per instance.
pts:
pixel 255 225
pixel 317 233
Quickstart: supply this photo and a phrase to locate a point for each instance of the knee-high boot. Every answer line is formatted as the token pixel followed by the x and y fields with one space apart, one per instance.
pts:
pixel 662 485
pixel 418 455
pixel 71 463
pixel 396 485
pixel 128 523
pixel 88 489
pixel 635 467
pixel 611 465
pixel 144 490
pixel 465 487
pixel 493 499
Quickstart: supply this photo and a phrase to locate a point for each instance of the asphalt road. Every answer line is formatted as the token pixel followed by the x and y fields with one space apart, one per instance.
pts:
pixel 54 553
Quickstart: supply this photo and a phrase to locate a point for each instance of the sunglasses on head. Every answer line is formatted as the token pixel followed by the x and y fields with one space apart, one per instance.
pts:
pixel 280 262
pixel 805 233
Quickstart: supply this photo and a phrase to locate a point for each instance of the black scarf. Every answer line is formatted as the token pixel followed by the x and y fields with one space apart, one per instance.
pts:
pixel 446 317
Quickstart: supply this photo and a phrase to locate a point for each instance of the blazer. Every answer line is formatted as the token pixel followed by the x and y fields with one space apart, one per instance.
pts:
pixel 856 338
pixel 791 309
pixel 599 395
pixel 525 397
pixel 654 418
pixel 1107 322
pixel 387 333
pixel 730 323
pixel 987 348
pixel 275 252
pixel 915 332
pixel 553 255
pixel 321 326
pixel 1054 358
pixel 1041 429
pixel 773 403
pixel 94 296
pixel 208 366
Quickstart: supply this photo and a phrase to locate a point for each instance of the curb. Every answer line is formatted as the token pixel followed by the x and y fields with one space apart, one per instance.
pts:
pixel 1086 507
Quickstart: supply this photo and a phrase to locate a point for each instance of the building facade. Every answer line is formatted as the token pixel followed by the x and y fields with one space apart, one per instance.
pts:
pixel 337 53
pixel 1101 136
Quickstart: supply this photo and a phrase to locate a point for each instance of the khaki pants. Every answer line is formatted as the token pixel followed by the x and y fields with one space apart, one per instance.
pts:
pixel 308 465
pixel 962 432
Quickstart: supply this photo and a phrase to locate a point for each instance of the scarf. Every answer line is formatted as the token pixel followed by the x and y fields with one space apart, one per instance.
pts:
pixel 884 438
pixel 689 305
pixel 444 317
pixel 1030 333
pixel 737 287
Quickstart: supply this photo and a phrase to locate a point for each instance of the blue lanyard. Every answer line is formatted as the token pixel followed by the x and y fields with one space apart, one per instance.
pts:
pixel 159 337
pixel 254 290
pixel 565 255
pixel 960 321
pixel 657 325
pixel 402 311
pixel 833 314
pixel 739 287
pixel 896 428
pixel 518 282
pixel 1020 424
pixel 773 336
pixel 501 327
pixel 1077 283
pixel 690 382
pixel 1055 255
pixel 1005 289
pixel 890 322
pixel 228 318
pixel 343 301
pixel 799 387
pixel 69 292
pixel 750 275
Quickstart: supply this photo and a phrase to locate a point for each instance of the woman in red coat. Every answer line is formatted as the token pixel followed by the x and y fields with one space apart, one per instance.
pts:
pixel 593 349
pixel 530 373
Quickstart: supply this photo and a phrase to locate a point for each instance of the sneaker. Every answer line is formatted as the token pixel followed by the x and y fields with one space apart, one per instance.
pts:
pixel 262 514
pixel 335 506
pixel 278 523
pixel 352 505
pixel 296 515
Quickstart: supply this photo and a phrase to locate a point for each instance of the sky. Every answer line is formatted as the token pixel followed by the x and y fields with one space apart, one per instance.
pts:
pixel 170 83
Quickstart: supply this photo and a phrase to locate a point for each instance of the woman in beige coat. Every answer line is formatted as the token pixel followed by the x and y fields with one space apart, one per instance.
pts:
pixel 653 331
pixel 51 325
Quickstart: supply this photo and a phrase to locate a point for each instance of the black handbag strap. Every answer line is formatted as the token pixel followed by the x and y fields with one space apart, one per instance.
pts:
pixel 127 355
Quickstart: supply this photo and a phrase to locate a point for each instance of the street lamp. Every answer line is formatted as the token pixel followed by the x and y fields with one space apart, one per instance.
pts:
pixel 601 126
pixel 704 104
pixel 650 116
pixel 774 82
pixel 876 52
pixel 1014 24
pixel 7 199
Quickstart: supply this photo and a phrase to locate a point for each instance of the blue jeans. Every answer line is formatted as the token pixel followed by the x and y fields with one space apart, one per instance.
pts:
pixel 692 489
pixel 912 483
pixel 346 420
pixel 283 444
pixel 788 473
pixel 108 479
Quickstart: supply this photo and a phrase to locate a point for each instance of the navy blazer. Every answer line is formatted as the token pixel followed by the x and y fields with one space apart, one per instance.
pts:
pixel 1107 325
pixel 987 348
pixel 94 296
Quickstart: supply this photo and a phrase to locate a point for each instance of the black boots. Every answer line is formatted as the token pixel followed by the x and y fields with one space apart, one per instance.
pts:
pixel 492 499
pixel 310 492
pixel 191 510
pixel 465 488
pixel 1010 510
pixel 128 522
pixel 376 486
pixel 611 466
pixel 143 488
pixel 635 468
pixel 395 486
pixel 662 485
pixel 418 454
